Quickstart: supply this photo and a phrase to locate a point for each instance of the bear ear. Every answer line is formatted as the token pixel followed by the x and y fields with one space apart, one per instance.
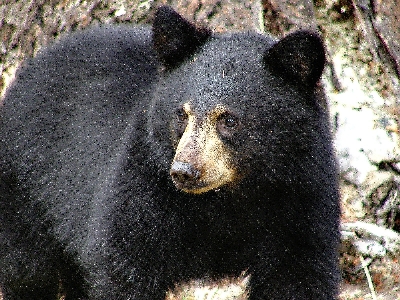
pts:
pixel 299 56
pixel 175 38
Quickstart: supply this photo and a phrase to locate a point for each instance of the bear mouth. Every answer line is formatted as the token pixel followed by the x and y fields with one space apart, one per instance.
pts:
pixel 197 187
pixel 191 180
pixel 194 180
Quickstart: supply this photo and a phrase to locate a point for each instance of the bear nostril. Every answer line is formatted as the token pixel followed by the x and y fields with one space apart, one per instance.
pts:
pixel 182 172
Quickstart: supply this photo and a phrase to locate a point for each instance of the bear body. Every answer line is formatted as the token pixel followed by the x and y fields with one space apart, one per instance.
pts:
pixel 134 159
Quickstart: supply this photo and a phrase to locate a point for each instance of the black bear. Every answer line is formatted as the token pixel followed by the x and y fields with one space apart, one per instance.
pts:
pixel 133 159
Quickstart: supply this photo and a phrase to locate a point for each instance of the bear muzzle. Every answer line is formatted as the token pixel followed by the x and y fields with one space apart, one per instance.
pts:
pixel 188 178
pixel 184 175
pixel 202 162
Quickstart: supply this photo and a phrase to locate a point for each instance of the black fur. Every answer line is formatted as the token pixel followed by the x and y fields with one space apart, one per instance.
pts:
pixel 88 208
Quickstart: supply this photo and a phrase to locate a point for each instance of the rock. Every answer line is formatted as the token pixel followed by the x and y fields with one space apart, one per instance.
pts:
pixel 370 239
pixel 370 248
pixel 364 135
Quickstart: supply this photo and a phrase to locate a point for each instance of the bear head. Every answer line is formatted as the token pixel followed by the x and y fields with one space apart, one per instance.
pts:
pixel 234 106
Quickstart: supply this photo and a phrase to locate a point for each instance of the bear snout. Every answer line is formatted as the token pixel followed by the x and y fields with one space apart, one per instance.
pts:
pixel 184 175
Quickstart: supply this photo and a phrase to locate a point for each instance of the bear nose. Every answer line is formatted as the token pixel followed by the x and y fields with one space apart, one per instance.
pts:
pixel 183 173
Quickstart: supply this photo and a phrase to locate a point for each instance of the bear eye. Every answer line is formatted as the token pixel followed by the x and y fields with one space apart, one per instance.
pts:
pixel 230 121
pixel 181 115
pixel 227 123
pixel 181 122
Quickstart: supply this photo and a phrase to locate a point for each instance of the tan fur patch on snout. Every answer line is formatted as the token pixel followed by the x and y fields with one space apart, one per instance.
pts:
pixel 201 147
